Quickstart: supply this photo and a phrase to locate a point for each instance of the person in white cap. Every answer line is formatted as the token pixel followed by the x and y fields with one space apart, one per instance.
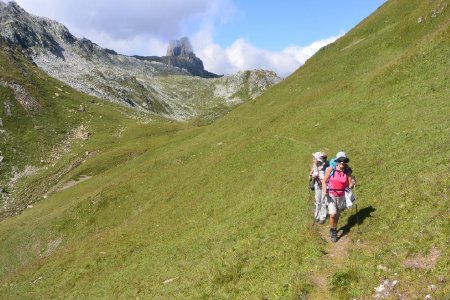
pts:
pixel 336 179
pixel 316 175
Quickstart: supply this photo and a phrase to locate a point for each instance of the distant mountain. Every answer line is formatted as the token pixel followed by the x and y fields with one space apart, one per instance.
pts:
pixel 180 54
pixel 170 86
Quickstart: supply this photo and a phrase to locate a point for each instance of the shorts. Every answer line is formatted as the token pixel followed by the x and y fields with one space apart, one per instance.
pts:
pixel 336 204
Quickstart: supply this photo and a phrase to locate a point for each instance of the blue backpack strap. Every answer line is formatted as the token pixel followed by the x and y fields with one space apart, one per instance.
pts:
pixel 333 166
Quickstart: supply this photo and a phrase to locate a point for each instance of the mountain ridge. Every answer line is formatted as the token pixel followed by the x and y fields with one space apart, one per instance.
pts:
pixel 140 82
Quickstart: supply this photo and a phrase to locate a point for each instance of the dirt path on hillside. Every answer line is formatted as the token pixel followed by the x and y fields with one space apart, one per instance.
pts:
pixel 72 183
pixel 336 254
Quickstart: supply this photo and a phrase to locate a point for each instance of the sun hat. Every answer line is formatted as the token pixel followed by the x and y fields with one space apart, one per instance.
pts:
pixel 342 154
pixel 318 155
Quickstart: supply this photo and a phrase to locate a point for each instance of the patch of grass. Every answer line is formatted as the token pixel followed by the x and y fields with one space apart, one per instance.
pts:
pixel 342 284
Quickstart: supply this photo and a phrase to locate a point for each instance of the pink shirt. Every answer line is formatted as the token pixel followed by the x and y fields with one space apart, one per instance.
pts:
pixel 337 183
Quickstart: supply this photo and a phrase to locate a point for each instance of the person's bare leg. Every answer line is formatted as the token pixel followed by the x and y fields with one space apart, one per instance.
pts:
pixel 333 227
pixel 333 221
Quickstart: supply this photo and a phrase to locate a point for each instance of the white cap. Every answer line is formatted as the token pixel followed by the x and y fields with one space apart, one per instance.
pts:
pixel 341 154
pixel 318 156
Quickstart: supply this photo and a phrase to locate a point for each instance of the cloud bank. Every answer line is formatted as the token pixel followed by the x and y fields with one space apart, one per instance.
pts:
pixel 242 55
pixel 145 27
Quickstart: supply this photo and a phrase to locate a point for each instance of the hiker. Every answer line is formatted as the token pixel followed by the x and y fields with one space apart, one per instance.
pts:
pixel 316 175
pixel 338 177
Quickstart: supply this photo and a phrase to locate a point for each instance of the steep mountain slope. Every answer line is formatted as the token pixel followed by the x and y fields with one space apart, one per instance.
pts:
pixel 223 211
pixel 36 114
pixel 43 125
pixel 138 82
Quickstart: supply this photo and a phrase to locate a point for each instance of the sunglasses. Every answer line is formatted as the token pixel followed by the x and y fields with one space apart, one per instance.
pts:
pixel 345 161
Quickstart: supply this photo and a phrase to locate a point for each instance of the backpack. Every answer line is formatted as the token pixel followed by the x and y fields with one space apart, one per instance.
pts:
pixel 312 182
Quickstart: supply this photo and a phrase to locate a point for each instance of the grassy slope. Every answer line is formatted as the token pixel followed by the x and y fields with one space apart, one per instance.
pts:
pixel 41 137
pixel 222 211
pixel 29 136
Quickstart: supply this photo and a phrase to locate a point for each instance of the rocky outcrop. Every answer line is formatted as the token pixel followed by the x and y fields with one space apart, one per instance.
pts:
pixel 181 47
pixel 29 104
pixel 168 86
pixel 27 31
pixel 180 54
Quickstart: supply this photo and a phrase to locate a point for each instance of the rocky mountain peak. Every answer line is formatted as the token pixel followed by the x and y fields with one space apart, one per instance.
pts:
pixel 19 28
pixel 12 7
pixel 180 54
pixel 181 47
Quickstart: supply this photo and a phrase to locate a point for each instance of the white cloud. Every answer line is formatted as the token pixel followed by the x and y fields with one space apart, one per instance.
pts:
pixel 242 55
pixel 145 27
pixel 120 19
pixel 132 26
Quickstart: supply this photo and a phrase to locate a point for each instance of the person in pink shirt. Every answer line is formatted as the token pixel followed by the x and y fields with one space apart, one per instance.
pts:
pixel 337 178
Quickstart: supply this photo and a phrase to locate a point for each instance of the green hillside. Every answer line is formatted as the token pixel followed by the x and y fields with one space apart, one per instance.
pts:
pixel 177 211
pixel 44 126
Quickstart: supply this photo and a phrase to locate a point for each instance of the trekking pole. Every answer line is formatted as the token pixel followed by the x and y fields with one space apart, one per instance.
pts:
pixel 316 208
pixel 317 212
pixel 357 218
pixel 357 212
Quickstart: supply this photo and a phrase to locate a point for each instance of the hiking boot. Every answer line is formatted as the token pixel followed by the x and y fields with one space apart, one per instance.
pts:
pixel 321 221
pixel 333 235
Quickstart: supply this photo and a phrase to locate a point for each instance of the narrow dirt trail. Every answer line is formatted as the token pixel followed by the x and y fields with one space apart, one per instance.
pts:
pixel 336 254
pixel 72 183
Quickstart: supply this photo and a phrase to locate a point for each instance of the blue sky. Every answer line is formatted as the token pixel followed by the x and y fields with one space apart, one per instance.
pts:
pixel 273 25
pixel 228 35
